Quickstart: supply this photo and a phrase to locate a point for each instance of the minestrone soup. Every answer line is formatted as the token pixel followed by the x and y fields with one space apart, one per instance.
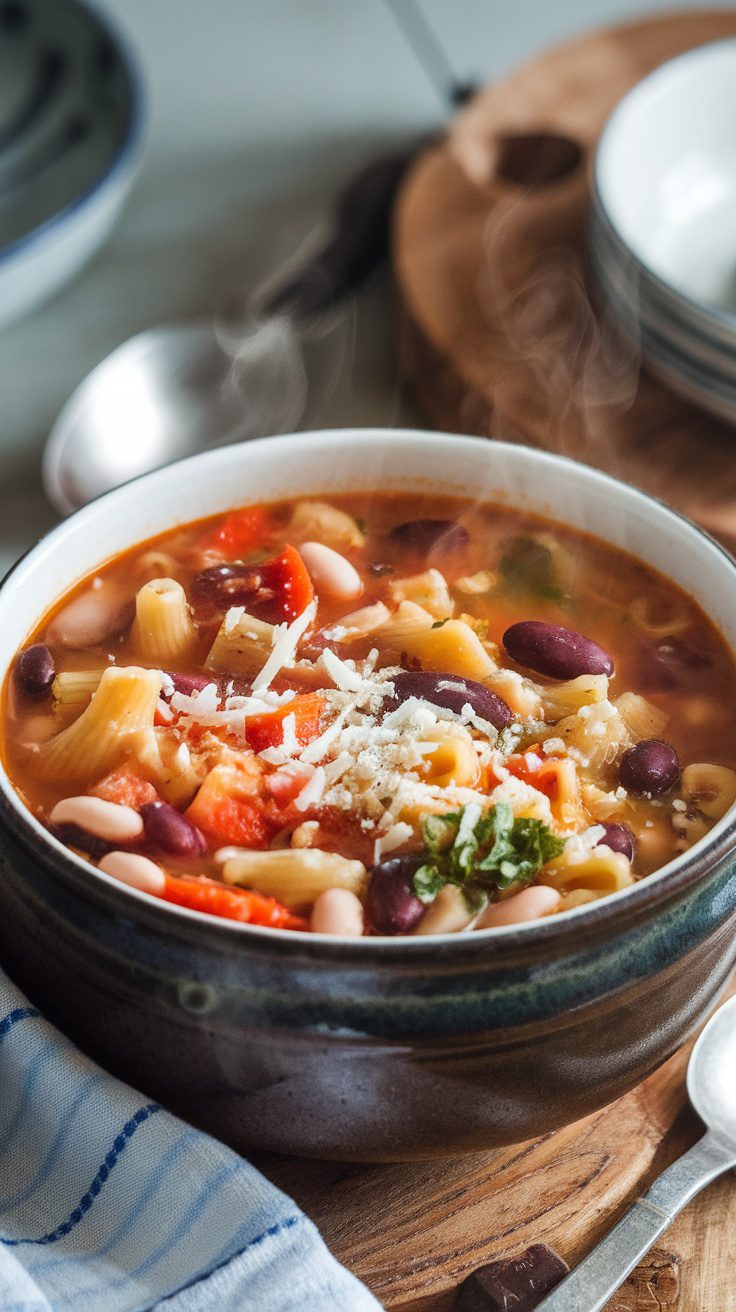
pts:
pixel 395 715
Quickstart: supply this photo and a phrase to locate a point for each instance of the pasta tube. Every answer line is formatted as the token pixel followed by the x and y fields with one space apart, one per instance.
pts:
pixel 163 631
pixel 124 703
pixel 321 522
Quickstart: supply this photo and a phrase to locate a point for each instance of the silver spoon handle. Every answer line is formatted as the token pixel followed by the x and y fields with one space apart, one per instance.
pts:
pixel 598 1276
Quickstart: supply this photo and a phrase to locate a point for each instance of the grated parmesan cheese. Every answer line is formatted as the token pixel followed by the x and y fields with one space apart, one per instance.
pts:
pixel 284 648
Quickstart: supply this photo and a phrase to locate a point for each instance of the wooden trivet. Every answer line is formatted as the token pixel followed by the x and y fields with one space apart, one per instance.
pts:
pixel 413 1232
pixel 502 334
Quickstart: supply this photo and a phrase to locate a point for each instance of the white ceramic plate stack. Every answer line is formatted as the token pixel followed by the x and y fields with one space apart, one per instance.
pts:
pixel 70 136
pixel 663 223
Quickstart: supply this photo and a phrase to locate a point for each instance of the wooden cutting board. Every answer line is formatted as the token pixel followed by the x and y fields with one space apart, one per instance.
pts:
pixel 502 334
pixel 413 1232
pixel 502 339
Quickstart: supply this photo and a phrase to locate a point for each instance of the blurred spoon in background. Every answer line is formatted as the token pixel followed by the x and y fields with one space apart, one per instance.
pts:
pixel 178 389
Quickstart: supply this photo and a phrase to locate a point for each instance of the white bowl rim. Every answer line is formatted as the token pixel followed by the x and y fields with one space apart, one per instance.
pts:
pixel 670 70
pixel 717 842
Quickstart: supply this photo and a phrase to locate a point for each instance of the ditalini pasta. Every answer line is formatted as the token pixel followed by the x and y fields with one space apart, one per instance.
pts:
pixel 385 716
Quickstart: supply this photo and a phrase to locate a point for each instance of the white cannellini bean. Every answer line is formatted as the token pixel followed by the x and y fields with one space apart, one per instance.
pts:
pixel 330 572
pixel 337 911
pixel 530 904
pixel 108 820
pixel 87 620
pixel 135 870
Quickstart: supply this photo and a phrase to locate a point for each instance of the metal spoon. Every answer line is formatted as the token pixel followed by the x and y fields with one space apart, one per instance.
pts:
pixel 178 389
pixel 711 1086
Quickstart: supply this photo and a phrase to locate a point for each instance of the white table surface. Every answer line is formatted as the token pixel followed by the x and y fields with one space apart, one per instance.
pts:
pixel 258 110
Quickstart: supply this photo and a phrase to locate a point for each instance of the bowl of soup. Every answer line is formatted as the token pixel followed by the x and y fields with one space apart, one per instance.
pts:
pixel 369 794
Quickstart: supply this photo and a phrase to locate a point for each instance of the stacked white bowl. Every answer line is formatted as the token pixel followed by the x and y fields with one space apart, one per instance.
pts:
pixel 663 223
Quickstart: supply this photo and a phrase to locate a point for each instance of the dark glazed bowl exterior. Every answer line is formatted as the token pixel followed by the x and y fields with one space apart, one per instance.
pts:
pixel 296 1046
pixel 375 1049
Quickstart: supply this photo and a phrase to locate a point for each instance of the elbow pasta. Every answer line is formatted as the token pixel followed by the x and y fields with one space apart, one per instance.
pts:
pixel 562 699
pixel 435 758
pixel 641 718
pixel 452 646
pixel 600 873
pixel 296 876
pixel 428 590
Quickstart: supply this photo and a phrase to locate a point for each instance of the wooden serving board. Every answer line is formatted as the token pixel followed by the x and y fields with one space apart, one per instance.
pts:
pixel 413 1232
pixel 503 337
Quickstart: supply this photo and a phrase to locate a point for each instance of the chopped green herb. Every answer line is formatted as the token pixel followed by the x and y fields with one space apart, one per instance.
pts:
pixel 526 566
pixel 438 624
pixel 360 522
pixel 482 852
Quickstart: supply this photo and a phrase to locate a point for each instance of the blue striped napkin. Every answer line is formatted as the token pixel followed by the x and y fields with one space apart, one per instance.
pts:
pixel 110 1204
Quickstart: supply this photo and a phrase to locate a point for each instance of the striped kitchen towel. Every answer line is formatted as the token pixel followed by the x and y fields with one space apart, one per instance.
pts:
pixel 110 1204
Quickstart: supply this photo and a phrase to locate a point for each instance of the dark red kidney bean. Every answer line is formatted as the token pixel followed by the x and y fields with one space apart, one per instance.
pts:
pixel 226 585
pixel 425 535
pixel 554 651
pixel 171 831
pixel 189 683
pixel 227 685
pixel 453 692
pixel 620 839
pixel 651 767
pixel 73 836
pixel 670 663
pixel 35 670
pixel 391 903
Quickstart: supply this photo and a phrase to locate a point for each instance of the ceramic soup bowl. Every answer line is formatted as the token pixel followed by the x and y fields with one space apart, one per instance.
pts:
pixel 377 1048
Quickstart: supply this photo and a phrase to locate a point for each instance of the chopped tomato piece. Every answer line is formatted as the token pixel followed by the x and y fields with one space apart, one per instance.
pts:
pixel 287 578
pixel 241 532
pixel 287 783
pixel 264 731
pixel 125 787
pixel 229 809
pixel 215 899
pixel 544 778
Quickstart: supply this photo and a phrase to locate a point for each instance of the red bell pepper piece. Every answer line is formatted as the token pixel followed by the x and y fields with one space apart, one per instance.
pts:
pixel 240 533
pixel 287 578
pixel 544 779
pixel 201 894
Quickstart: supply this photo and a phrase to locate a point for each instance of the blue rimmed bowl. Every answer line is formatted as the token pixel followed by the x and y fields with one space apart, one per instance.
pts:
pixel 71 125
pixel 377 1048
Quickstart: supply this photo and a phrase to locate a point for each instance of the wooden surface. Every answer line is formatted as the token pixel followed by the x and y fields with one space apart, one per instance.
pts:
pixel 502 339
pixel 413 1232
pixel 502 334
